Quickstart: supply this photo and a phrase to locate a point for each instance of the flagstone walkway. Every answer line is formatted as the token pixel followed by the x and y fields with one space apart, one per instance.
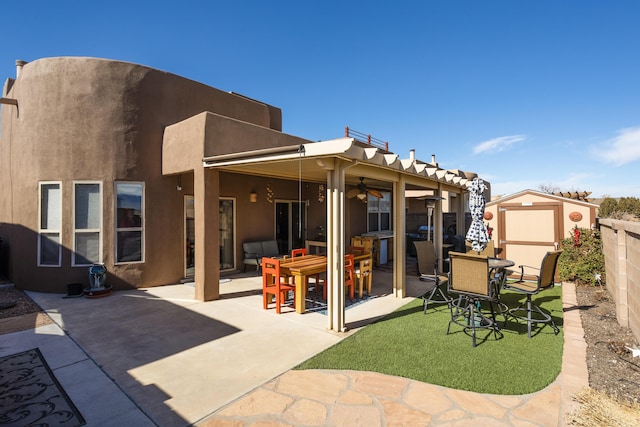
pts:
pixel 352 398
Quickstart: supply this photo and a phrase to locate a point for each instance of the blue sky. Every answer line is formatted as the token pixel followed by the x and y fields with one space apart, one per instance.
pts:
pixel 525 93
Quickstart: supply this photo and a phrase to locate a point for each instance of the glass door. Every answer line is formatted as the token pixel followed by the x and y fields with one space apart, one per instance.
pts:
pixel 227 234
pixel 291 225
pixel 190 236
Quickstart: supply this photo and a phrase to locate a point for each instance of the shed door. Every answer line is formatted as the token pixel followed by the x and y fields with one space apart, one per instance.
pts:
pixel 529 231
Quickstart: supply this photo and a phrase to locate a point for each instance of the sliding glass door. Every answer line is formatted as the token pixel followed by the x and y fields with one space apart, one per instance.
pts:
pixel 227 235
pixel 291 225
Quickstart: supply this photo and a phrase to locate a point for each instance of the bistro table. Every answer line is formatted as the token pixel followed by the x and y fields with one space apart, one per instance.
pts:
pixel 307 265
pixel 498 270
pixel 498 267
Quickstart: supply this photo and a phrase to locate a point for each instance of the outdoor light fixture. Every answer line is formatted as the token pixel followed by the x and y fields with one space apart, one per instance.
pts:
pixel 253 197
pixel 179 186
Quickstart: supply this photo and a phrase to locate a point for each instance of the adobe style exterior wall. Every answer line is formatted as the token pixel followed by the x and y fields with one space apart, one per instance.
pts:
pixel 621 247
pixel 88 119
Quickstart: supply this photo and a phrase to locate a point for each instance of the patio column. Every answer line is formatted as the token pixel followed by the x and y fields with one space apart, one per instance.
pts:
pixel 437 228
pixel 461 228
pixel 399 236
pixel 206 190
pixel 335 248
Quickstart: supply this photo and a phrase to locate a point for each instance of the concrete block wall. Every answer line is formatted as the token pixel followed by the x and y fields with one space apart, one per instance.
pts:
pixel 621 247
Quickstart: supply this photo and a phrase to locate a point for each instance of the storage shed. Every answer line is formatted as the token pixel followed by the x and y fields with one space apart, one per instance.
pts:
pixel 527 224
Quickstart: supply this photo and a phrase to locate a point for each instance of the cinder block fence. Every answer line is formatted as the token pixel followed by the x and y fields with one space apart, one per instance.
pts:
pixel 621 247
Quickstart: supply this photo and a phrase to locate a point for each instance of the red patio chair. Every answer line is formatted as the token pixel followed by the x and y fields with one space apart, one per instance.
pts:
pixel 273 283
pixel 349 277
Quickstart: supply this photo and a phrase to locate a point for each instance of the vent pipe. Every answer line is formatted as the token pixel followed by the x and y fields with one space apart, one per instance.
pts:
pixel 19 65
pixel 433 160
pixel 412 155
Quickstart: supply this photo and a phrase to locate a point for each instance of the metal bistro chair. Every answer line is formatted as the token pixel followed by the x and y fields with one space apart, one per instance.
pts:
pixel 469 277
pixel 428 272
pixel 530 312
pixel 489 250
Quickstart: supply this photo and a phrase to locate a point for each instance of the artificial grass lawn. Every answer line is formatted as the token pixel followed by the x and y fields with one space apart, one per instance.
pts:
pixel 413 345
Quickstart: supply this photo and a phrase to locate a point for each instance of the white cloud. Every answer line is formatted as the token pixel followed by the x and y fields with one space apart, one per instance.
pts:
pixel 498 144
pixel 624 148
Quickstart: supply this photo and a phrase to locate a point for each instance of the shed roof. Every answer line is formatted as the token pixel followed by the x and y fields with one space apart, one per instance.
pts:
pixel 540 194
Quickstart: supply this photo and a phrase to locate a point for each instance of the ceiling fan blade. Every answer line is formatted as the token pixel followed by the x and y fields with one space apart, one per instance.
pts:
pixel 375 193
pixel 353 192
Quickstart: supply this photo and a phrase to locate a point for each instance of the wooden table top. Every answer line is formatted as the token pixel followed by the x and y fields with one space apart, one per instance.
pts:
pixel 311 264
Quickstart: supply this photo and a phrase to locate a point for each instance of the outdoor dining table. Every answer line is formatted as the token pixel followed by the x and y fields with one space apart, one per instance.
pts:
pixel 307 265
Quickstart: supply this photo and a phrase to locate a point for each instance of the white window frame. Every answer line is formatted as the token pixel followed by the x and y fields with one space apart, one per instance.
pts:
pixel 88 230
pixel 42 231
pixel 378 212
pixel 116 228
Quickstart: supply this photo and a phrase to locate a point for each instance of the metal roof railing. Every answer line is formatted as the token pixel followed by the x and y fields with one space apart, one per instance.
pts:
pixel 366 139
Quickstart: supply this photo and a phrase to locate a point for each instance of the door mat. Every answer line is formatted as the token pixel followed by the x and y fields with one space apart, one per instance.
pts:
pixel 30 395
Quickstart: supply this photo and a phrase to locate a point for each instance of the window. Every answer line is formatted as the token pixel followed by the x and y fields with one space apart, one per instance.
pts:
pixel 129 221
pixel 50 224
pixel 379 212
pixel 87 229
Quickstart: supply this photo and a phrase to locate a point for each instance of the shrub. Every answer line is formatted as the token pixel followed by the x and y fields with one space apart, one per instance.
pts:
pixel 581 263
pixel 608 207
pixel 625 208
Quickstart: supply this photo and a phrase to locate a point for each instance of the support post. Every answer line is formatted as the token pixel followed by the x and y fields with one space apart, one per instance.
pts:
pixel 399 236
pixel 437 228
pixel 335 248
pixel 207 244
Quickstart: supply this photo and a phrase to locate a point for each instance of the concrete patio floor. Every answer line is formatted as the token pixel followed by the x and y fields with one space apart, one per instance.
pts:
pixel 156 356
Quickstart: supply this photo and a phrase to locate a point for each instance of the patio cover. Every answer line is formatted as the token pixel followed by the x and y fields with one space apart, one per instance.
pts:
pixel 338 163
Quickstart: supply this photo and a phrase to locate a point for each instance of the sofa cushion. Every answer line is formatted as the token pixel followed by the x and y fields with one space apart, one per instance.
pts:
pixel 252 252
pixel 270 248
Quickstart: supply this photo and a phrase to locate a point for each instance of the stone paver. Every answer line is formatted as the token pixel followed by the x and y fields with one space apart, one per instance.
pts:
pixel 353 398
pixel 292 398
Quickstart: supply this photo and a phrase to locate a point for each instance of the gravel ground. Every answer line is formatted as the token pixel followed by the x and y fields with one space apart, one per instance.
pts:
pixel 14 302
pixel 611 365
pixel 18 312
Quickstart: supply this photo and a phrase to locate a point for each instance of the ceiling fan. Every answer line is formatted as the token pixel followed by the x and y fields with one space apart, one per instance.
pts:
pixel 361 191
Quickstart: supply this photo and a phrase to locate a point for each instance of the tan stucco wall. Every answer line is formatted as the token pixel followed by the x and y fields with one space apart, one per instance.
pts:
pixel 102 120
pixel 621 247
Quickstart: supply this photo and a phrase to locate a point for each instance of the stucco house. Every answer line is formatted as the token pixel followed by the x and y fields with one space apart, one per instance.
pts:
pixel 160 178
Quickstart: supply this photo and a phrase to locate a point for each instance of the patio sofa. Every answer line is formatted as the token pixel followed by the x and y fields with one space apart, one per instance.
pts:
pixel 254 251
